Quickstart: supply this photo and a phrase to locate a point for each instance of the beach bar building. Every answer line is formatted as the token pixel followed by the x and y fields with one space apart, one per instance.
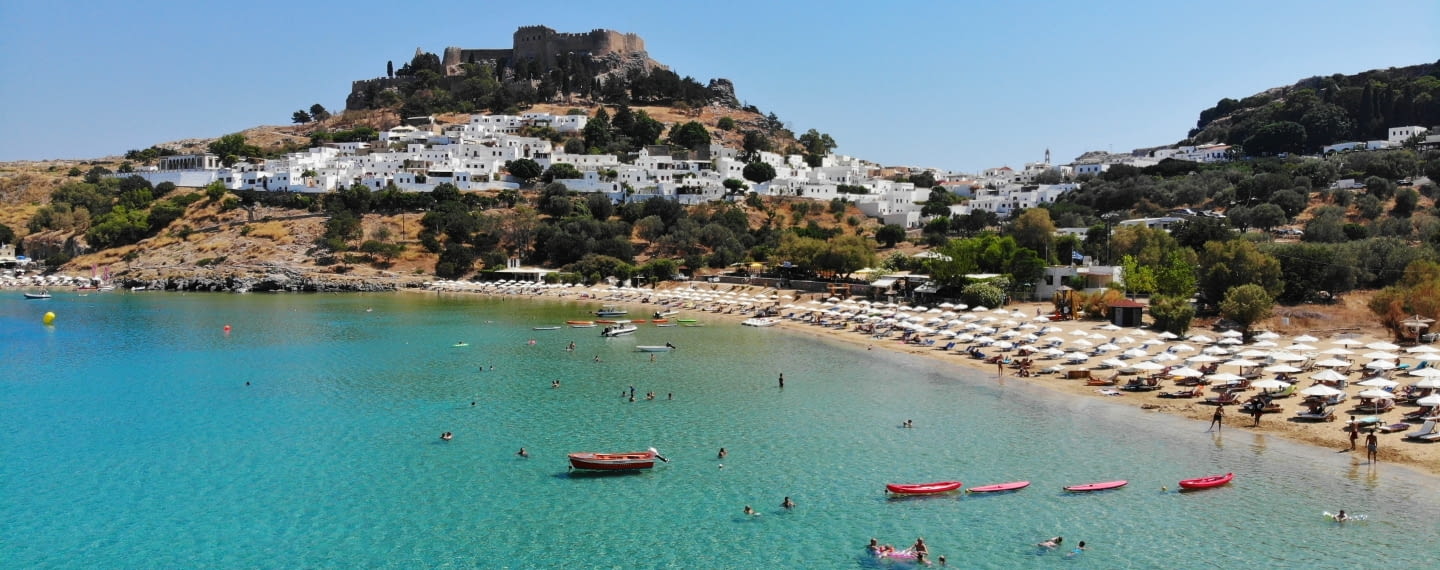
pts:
pixel 1126 313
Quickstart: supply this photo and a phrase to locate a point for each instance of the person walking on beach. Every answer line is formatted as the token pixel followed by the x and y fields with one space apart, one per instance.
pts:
pixel 1217 421
pixel 1354 432
pixel 1257 411
pixel 1372 447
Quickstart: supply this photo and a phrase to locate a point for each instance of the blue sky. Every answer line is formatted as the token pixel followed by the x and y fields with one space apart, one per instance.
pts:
pixel 959 85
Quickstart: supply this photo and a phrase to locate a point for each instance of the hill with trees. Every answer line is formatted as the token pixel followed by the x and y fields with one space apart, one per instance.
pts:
pixel 1318 111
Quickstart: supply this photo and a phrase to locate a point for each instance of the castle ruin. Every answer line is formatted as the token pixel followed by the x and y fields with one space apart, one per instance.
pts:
pixel 542 44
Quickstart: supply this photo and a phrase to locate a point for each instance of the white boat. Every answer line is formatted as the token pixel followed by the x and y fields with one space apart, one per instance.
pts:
pixel 545 328
pixel 760 322
pixel 667 347
pixel 40 295
pixel 609 311
pixel 618 330
pixel 665 314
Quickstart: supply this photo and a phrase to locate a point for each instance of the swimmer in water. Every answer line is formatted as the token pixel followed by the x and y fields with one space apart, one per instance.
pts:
pixel 787 504
pixel 750 512
pixel 523 453
pixel 446 436
pixel 1076 551
pixel 1052 543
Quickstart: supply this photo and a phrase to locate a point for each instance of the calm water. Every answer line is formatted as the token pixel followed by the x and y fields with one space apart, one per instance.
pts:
pixel 129 439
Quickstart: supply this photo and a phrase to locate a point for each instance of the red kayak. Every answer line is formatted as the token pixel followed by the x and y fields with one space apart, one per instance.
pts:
pixel 923 488
pixel 1096 486
pixel 1207 482
pixel 1014 486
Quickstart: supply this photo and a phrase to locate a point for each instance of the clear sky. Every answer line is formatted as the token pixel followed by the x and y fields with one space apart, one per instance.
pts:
pixel 962 85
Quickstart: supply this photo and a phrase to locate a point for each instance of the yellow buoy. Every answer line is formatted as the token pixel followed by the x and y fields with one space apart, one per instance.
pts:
pixel 49 318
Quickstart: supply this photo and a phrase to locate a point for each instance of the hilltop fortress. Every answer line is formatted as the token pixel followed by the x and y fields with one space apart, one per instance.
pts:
pixel 542 44
pixel 609 51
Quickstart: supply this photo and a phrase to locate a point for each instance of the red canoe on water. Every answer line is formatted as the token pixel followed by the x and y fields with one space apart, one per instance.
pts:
pixel 1014 486
pixel 615 461
pixel 923 488
pixel 1207 482
pixel 1096 486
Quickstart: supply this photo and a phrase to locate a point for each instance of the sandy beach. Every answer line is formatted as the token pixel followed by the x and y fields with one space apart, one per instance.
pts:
pixel 736 303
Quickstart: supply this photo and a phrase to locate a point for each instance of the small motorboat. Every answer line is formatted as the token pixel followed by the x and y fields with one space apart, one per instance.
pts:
pixel 630 460
pixel 544 328
pixel 40 295
pixel 666 324
pixel 460 345
pixel 667 347
pixel 1000 488
pixel 1096 486
pixel 665 314
pixel 618 330
pixel 760 322
pixel 1206 482
pixel 610 312
pixel 922 488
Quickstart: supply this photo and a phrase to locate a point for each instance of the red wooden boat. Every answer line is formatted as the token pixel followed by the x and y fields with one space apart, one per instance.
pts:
pixel 1013 486
pixel 629 460
pixel 1096 486
pixel 923 488
pixel 579 322
pixel 1207 482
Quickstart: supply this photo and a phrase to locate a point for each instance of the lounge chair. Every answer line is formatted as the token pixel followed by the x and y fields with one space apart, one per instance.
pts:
pixel 1425 432
pixel 1225 399
pixel 1392 428
pixel 1195 392
pixel 1421 413
pixel 1323 413
pixel 948 346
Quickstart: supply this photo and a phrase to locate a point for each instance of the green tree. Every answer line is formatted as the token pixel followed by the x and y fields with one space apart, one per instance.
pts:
pixel 734 186
pixel 752 144
pixel 1247 304
pixel 982 295
pixel 1033 229
pixel 890 234
pixel 1290 201
pixel 1267 216
pixel 555 200
pixel 1276 138
pixel 689 135
pixel 600 206
pixel 318 112
pixel 7 235
pixel 817 143
pixel 725 124
pixel 1172 314
pixel 300 117
pixel 759 172
pixel 1225 265
pixel 563 171
pixel 1405 201
pixel 230 148
pixel 524 169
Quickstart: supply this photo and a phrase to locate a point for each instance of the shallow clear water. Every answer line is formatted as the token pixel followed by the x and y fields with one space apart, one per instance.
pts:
pixel 130 439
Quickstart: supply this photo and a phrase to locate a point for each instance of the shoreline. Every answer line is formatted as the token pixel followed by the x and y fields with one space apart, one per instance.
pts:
pixel 1422 457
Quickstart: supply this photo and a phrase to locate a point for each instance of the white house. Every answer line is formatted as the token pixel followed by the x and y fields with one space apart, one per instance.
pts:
pixel 1162 223
pixel 1402 134
pixel 1084 277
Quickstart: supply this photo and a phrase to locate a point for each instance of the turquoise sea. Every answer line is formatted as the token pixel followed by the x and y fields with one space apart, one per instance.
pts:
pixel 129 438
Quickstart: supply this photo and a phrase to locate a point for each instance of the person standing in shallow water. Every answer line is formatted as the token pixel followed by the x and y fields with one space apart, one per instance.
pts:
pixel 1372 447
pixel 1217 421
pixel 782 379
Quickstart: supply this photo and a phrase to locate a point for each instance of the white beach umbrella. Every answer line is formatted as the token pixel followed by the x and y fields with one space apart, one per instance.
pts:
pixel 1300 347
pixel 1004 345
pixel 1027 327
pixel 1082 343
pixel 1152 342
pixel 1182 348
pixel 1377 382
pixel 978 309
pixel 1322 391
pixel 1381 365
pixel 1267 335
pixel 1232 334
pixel 1135 353
pixel 1107 347
pixel 1422 349
pixel 965 337
pixel 1018 315
pixel 1379 355
pixel 1009 334
pixel 1053 352
pixel 1041 317
pixel 1148 366
pixel 1124 340
pixel 1079 333
pixel 1240 362
pixel 1264 344
pixel 1332 363
pixel 1053 339
pixel 1328 375
pixel 1376 394
pixel 1348 341
pixel 1270 384
pixel 1001 311
pixel 1113 362
pixel 1225 377
pixel 984 339
pixel 1288 357
pixel 1382 346
pixel 1051 330
pixel 1077 356
pixel 1216 350
pixel 1009 323
pixel 1201 339
pixel 1109 327
pixel 1281 369
pixel 1230 341
pixel 1203 358
pixel 1186 372
pixel 1338 351
pixel 1166 357
pixel 1426 372
pixel 1096 336
pixel 1253 353
pixel 1431 400
pixel 1167 335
